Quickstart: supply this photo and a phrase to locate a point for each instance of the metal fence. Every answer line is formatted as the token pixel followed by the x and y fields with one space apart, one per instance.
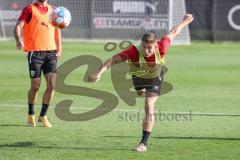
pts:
pixel 107 19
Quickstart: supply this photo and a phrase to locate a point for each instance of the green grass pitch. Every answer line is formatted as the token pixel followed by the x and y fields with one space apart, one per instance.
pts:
pixel 205 79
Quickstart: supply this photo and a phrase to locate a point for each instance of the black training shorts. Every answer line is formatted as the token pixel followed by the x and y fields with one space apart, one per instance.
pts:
pixel 42 61
pixel 151 85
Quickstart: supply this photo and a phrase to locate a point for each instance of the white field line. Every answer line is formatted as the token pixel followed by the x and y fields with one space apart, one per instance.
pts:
pixel 130 110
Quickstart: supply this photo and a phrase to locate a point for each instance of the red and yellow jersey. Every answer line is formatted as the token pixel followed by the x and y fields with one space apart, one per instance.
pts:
pixel 132 52
pixel 146 67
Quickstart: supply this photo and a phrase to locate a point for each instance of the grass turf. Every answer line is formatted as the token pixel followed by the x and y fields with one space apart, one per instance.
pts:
pixel 205 79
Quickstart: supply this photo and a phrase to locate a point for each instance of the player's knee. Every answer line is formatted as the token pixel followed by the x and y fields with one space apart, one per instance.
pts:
pixel 149 111
pixel 149 105
pixel 50 88
pixel 51 82
pixel 35 88
pixel 149 108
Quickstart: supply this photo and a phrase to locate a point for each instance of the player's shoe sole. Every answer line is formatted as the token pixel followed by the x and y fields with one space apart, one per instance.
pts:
pixel 31 121
pixel 44 121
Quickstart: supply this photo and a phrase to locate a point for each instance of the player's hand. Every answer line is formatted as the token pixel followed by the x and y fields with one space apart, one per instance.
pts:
pixel 188 18
pixel 20 45
pixel 59 55
pixel 94 77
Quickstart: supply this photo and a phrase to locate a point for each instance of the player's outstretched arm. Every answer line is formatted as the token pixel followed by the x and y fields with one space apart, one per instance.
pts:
pixel 187 19
pixel 107 64
pixel 17 34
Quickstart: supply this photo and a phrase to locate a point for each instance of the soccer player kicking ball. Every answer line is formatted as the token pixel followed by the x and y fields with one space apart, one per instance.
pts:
pixel 42 42
pixel 145 67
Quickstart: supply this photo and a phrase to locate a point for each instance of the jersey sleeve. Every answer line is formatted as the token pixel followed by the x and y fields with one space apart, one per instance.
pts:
pixel 26 14
pixel 163 45
pixel 129 54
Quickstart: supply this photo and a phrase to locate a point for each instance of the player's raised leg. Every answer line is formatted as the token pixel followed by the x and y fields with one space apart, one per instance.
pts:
pixel 47 97
pixel 148 121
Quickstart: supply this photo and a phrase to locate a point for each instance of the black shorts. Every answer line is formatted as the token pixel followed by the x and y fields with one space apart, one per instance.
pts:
pixel 42 61
pixel 151 85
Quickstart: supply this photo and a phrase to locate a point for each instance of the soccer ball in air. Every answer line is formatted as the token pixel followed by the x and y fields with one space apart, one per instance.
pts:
pixel 60 17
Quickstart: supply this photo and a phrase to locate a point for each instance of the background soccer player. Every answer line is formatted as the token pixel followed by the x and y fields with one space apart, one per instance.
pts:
pixel 145 65
pixel 42 42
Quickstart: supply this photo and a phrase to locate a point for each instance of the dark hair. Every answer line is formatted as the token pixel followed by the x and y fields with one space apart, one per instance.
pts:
pixel 149 37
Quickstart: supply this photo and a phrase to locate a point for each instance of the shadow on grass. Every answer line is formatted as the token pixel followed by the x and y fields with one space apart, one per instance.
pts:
pixel 13 125
pixel 183 138
pixel 19 144
pixel 19 125
pixel 35 145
